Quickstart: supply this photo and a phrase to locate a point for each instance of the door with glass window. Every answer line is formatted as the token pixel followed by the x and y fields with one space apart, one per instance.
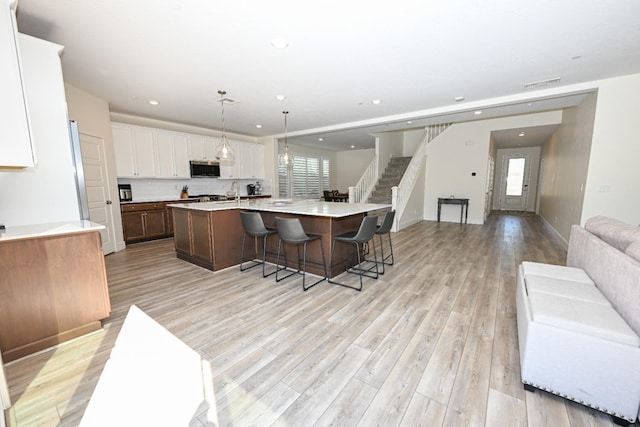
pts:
pixel 514 182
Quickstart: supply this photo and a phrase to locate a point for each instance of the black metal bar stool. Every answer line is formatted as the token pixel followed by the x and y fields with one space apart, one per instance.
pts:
pixel 254 227
pixel 385 228
pixel 364 234
pixel 291 231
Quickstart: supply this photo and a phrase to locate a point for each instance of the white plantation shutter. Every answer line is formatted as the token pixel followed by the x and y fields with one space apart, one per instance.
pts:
pixel 310 176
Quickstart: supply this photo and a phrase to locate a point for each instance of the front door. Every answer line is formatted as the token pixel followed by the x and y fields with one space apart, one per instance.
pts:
pixel 514 182
pixel 97 186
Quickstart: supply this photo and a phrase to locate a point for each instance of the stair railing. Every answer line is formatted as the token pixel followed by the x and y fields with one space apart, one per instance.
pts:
pixel 361 191
pixel 400 194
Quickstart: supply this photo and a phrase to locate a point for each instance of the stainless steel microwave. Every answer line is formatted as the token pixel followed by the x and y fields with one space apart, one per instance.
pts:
pixel 204 169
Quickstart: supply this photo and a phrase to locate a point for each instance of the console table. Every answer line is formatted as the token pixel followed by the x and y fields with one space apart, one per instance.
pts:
pixel 464 206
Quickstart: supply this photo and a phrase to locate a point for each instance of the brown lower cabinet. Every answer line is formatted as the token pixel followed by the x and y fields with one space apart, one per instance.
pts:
pixel 147 221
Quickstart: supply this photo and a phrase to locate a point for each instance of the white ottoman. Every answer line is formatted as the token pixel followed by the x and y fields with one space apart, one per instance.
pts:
pixel 573 343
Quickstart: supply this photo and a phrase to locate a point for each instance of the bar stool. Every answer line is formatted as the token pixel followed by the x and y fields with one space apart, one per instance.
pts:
pixel 290 231
pixel 385 228
pixel 364 234
pixel 254 227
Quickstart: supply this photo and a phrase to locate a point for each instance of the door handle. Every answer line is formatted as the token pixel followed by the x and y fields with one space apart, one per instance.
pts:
pixel 109 202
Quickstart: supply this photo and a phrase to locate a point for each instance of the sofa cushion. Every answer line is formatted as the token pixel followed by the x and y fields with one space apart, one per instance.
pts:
pixel 556 271
pixel 614 232
pixel 597 320
pixel 633 250
pixel 565 288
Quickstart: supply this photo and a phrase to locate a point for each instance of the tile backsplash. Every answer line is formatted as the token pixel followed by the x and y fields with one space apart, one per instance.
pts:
pixel 146 190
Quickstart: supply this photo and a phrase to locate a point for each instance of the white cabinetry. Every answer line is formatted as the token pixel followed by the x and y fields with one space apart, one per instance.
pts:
pixel 134 149
pixel 16 147
pixel 143 152
pixel 252 160
pixel 173 155
pixel 201 147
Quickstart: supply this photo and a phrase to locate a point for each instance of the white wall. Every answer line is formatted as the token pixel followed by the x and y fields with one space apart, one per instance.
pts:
pixel 388 145
pixel 350 167
pixel 47 192
pixel 613 179
pixel 412 140
pixel 458 152
pixel 563 168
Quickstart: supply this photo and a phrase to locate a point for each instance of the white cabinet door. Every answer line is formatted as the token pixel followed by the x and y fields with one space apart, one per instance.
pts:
pixel 144 152
pixel 16 147
pixel 123 148
pixel 166 163
pixel 252 165
pixel 181 155
pixel 173 155
pixel 209 145
pixel 134 151
pixel 196 146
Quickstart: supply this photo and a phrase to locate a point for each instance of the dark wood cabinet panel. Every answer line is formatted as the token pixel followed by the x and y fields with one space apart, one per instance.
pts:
pixel 202 242
pixel 53 289
pixel 133 226
pixel 155 224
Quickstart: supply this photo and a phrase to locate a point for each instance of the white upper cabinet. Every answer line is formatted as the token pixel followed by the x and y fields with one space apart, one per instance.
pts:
pixel 16 147
pixel 201 147
pixel 173 155
pixel 134 151
pixel 252 165
pixel 143 152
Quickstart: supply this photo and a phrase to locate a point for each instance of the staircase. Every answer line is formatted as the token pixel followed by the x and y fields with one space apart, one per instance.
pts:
pixel 390 178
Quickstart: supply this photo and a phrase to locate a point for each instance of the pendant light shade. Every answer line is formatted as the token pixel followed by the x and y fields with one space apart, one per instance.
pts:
pixel 285 158
pixel 224 152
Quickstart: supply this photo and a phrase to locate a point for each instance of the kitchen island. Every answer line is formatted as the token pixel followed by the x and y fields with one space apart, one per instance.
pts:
pixel 53 287
pixel 210 234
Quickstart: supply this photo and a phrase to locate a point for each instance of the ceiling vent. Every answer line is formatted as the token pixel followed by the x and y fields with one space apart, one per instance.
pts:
pixel 541 83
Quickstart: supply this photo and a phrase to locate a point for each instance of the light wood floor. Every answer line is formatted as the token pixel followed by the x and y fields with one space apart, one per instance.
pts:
pixel 433 342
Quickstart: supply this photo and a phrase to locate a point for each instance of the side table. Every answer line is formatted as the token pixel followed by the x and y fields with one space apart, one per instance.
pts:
pixel 464 206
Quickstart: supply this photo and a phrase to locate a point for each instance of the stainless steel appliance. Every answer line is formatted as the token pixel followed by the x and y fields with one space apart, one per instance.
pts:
pixel 125 192
pixel 204 169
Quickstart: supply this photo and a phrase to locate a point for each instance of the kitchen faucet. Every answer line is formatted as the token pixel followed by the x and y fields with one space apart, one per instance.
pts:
pixel 234 186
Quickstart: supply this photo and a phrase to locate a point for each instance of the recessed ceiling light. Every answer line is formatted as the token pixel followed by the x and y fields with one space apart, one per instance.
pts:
pixel 154 102
pixel 409 122
pixel 353 146
pixel 281 97
pixel 458 98
pixel 477 112
pixel 320 139
pixel 279 43
pixel 259 126
pixel 521 134
pixel 376 101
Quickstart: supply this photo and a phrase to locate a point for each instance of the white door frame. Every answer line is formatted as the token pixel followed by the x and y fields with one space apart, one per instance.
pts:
pixel 524 198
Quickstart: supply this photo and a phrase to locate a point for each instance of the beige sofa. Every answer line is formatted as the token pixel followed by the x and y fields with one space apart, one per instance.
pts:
pixel 579 325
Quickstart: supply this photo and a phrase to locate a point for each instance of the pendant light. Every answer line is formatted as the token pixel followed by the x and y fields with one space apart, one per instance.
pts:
pixel 286 158
pixel 224 152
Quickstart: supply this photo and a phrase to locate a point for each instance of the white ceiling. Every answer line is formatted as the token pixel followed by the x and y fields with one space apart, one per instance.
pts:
pixel 413 55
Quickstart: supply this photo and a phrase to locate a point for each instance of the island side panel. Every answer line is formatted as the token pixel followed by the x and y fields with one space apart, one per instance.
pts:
pixel 53 288
pixel 227 239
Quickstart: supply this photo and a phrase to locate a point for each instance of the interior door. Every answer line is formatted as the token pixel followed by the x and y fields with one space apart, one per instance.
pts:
pixel 514 182
pixel 97 186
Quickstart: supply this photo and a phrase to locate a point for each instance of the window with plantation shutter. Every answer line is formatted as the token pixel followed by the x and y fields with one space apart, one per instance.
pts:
pixel 310 175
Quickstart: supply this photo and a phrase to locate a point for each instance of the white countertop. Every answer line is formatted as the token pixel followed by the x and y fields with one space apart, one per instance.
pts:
pixel 295 207
pixel 49 229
